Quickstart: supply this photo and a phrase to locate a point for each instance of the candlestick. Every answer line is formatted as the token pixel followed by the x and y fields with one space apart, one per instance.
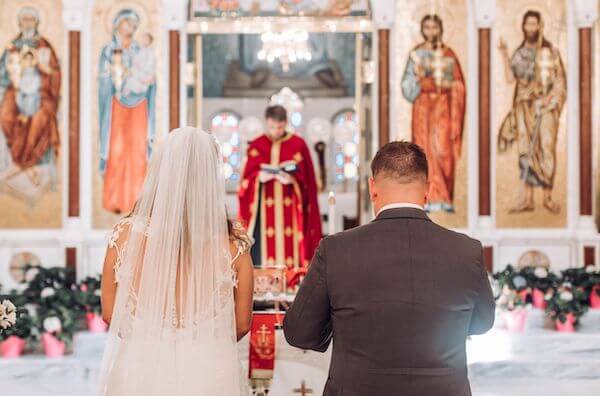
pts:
pixel 331 215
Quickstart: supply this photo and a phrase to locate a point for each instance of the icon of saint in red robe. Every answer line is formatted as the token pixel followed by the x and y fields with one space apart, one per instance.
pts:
pixel 433 82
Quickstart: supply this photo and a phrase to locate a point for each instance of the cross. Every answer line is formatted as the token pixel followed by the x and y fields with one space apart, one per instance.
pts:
pixel 439 65
pixel 263 333
pixel 303 390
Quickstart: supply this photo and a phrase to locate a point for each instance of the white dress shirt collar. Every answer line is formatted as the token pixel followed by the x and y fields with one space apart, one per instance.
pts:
pixel 399 205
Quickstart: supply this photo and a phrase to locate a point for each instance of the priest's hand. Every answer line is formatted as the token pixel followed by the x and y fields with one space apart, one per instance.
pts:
pixel 265 177
pixel 285 178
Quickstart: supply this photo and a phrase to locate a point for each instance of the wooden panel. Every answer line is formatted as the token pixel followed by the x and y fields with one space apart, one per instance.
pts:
pixel 484 123
pixel 488 258
pixel 585 121
pixel 589 256
pixel 384 86
pixel 71 255
pixel 174 80
pixel 74 124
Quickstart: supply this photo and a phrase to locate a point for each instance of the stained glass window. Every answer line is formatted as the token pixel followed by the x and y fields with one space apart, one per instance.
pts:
pixel 225 126
pixel 346 136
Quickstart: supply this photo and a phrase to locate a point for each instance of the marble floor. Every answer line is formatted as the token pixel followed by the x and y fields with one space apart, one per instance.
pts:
pixel 539 361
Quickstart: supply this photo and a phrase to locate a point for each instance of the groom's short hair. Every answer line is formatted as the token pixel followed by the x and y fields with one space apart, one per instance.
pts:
pixel 401 161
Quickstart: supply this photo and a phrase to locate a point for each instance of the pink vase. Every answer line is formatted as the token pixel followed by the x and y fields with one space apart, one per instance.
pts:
pixel 95 323
pixel 53 346
pixel 594 298
pixel 12 347
pixel 515 320
pixel 523 294
pixel 539 301
pixel 568 326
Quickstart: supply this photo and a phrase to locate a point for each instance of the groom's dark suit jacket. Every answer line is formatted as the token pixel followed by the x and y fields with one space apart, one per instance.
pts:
pixel 398 296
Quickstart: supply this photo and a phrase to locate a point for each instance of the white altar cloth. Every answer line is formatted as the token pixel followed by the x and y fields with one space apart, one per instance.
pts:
pixel 539 361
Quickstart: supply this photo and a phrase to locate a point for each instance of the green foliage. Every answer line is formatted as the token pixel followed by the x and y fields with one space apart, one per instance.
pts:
pixel 52 302
pixel 567 300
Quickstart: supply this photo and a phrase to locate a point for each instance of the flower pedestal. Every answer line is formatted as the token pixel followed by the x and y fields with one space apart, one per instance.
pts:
pixel 12 347
pixel 595 298
pixel 515 320
pixel 568 326
pixel 538 298
pixel 95 323
pixel 53 347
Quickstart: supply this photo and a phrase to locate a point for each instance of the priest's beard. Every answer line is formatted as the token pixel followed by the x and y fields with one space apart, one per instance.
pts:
pixel 532 37
pixel 435 41
pixel 29 33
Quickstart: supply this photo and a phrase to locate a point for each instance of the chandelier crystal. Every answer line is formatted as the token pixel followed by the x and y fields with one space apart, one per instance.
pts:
pixel 286 47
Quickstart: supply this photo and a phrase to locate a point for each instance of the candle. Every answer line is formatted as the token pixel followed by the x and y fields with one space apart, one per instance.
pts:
pixel 331 215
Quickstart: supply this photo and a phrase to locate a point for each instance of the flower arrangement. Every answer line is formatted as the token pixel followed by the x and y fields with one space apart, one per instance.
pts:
pixel 51 301
pixel 566 306
pixel 511 278
pixel 510 300
pixel 87 295
pixel 541 283
pixel 592 286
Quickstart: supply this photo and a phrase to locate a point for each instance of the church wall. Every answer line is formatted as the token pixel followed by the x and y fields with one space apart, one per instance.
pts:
pixel 46 230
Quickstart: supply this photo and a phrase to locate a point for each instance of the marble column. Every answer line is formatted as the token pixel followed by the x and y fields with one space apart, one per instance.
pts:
pixel 383 21
pixel 174 19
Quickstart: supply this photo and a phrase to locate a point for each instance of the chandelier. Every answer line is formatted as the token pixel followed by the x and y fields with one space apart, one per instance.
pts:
pixel 287 47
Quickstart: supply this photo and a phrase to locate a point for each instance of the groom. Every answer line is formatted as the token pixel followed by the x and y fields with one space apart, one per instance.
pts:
pixel 398 296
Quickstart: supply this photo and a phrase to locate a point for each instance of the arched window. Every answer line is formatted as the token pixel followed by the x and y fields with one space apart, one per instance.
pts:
pixel 225 126
pixel 345 147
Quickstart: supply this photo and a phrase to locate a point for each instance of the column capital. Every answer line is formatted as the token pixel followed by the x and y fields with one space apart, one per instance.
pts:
pixel 586 13
pixel 174 13
pixel 485 13
pixel 73 13
pixel 384 12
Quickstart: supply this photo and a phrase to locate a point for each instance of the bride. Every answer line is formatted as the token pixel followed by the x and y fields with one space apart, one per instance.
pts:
pixel 177 280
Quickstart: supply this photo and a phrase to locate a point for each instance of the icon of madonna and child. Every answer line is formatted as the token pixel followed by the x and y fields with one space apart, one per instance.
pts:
pixel 126 110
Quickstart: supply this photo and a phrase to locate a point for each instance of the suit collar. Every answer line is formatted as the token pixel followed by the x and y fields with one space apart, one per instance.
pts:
pixel 402 213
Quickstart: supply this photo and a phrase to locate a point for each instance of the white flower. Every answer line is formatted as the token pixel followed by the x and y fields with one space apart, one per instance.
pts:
pixel 31 309
pixel 47 292
pixel 52 324
pixel 98 292
pixel 567 285
pixel 31 274
pixel 519 282
pixel 590 269
pixel 566 296
pixel 540 272
pixel 8 314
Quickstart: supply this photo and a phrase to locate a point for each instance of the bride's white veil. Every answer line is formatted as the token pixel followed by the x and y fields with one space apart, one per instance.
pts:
pixel 173 325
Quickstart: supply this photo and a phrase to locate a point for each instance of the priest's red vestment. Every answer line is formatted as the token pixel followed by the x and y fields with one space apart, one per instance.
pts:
pixel 284 219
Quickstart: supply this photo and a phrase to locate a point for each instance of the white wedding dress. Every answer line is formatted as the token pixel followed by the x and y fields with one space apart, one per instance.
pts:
pixel 173 325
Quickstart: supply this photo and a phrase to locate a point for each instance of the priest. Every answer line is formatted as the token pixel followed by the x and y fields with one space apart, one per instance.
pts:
pixel 278 199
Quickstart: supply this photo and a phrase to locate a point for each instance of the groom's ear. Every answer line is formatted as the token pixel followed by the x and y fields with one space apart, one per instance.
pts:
pixel 427 184
pixel 372 189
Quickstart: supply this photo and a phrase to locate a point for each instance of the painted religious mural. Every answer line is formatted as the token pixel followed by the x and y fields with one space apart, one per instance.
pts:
pixel 529 93
pixel 31 117
pixel 125 121
pixel 432 49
